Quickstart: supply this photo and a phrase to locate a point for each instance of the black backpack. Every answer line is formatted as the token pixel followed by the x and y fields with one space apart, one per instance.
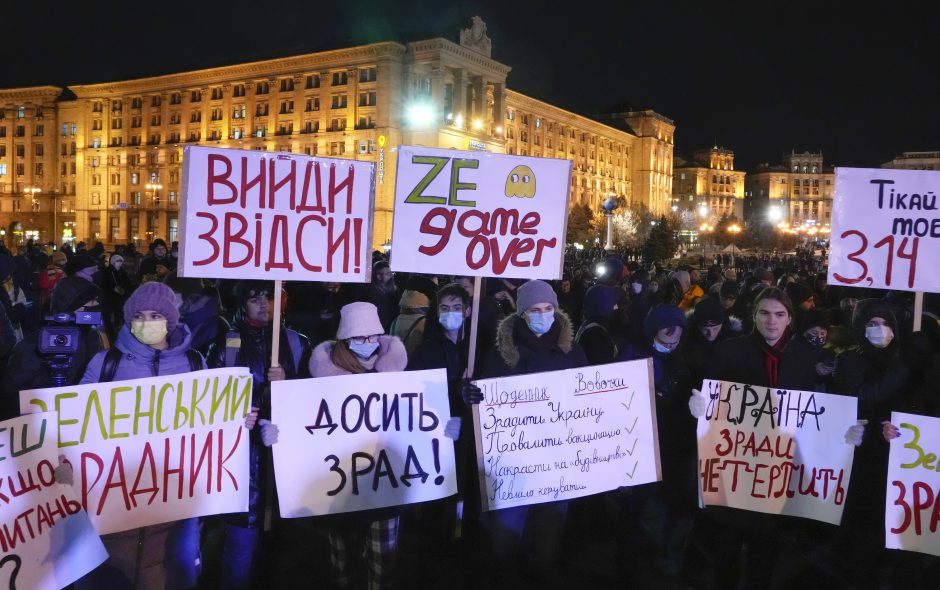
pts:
pixel 113 357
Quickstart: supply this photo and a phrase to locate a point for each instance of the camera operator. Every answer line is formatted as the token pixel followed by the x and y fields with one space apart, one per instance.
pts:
pixel 68 346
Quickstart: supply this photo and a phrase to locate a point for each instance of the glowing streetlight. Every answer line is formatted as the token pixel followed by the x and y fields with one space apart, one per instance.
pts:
pixel 420 114
pixel 774 214
pixel 734 229
pixel 703 210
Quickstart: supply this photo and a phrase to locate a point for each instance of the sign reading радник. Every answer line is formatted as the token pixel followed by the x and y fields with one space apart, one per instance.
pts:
pixel 912 510
pixel 479 214
pixel 775 450
pixel 560 435
pixel 154 450
pixel 46 540
pixel 285 216
pixel 886 229
pixel 355 442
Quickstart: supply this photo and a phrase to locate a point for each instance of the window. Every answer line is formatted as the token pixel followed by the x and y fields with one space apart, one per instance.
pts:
pixel 39 150
pixel 287 107
pixel 135 103
pixel 20 112
pixel 135 177
pixel 172 196
pixel 155 121
pixel 525 119
pixel 96 142
pixel 3 169
pixel 20 151
pixel 240 112
pixel 366 146
pixel 337 148
pixel 176 98
pixel 96 107
pixel 367 75
pixel 196 116
pixel 261 110
pixel 337 124
pixel 115 178
pixel 216 93
pixel 340 78
pixel 287 84
pixel 285 129
pixel 116 106
pixel 116 123
pixel 155 101
pixel 538 122
pixel 95 198
pixel 20 131
pixel 216 114
pixel 96 125
pixel 313 81
pixel 175 118
pixel 511 115
pixel 367 99
pixel 195 96
pixel 261 131
pixel 194 136
pixel 238 90
pixel 94 162
pixel 311 127
pixel 174 137
pixel 65 128
pixel 3 131
pixel 3 151
pixel 367 122
pixel 339 101
pixel 135 122
pixel 313 104
pixel 262 88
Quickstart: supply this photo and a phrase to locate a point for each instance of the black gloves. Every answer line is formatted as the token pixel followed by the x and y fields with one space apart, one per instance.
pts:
pixel 470 393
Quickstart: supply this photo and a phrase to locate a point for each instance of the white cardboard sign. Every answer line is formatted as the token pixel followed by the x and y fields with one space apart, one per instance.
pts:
pixel 912 504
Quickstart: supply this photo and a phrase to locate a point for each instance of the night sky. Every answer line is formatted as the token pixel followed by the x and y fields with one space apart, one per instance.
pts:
pixel 759 78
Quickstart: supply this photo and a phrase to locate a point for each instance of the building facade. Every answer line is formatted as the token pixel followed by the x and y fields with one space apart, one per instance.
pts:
pixel 108 161
pixel 915 161
pixel 795 194
pixel 709 185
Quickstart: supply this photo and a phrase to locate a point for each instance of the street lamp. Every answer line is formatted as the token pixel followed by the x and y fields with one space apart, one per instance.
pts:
pixel 609 204
pixel 733 229
pixel 705 229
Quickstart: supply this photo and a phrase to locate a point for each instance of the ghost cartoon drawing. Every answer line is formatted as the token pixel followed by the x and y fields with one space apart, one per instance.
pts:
pixel 520 182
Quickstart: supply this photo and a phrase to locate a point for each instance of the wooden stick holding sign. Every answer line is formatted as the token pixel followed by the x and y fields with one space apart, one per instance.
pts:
pixel 471 364
pixel 918 310
pixel 276 327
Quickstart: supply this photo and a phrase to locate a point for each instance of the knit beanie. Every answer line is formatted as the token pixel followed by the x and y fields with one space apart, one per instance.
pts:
pixel 154 296
pixel 79 263
pixel 534 292
pixel 814 319
pixel 116 258
pixel 358 319
pixel 708 312
pixel 798 293
pixel 59 258
pixel 599 302
pixel 663 316
pixel 70 293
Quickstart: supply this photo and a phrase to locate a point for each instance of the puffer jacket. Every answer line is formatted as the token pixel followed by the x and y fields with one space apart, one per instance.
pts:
pixel 520 352
pixel 161 556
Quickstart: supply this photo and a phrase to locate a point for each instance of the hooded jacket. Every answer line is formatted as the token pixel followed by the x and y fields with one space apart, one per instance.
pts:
pixel 140 361
pixel 520 352
pixel 411 323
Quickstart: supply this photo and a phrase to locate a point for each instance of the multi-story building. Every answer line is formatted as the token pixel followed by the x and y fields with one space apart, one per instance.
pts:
pixel 709 184
pixel 115 168
pixel 794 194
pixel 915 161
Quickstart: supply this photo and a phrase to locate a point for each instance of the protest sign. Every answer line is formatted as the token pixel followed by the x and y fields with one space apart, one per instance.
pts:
pixel 775 450
pixel 561 435
pixel 885 229
pixel 479 214
pixel 912 505
pixel 154 450
pixel 364 441
pixel 47 541
pixel 247 214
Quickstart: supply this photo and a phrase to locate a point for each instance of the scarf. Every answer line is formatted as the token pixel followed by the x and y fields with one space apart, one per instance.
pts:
pixel 772 356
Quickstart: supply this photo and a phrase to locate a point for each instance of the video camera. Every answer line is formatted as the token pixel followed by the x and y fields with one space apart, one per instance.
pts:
pixel 61 338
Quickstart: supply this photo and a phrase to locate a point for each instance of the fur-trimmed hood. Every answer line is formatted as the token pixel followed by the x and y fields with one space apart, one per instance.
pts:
pixel 506 338
pixel 392 357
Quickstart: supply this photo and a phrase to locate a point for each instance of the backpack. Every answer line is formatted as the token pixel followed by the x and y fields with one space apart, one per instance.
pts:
pixel 233 346
pixel 113 357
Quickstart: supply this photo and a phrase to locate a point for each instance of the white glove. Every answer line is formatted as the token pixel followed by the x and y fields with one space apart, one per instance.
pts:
pixel 698 403
pixel 452 429
pixel 269 432
pixel 63 473
pixel 855 433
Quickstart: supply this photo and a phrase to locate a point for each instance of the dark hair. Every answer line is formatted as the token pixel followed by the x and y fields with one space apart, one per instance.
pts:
pixel 454 290
pixel 775 294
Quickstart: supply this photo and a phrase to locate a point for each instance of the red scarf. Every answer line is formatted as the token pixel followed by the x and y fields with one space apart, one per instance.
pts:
pixel 772 356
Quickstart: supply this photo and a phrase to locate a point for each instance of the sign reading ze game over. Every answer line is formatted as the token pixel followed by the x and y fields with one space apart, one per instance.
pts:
pixel 479 214
pixel 886 229
pixel 245 214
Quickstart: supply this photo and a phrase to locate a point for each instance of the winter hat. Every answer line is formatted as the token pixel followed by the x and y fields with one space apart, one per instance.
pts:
pixel 685 281
pixel 814 319
pixel 157 242
pixel 59 258
pixel 708 312
pixel 80 262
pixel 731 274
pixel 614 268
pixel 798 293
pixel 640 276
pixel 663 316
pixel 246 290
pixel 154 296
pixel 116 258
pixel 535 292
pixel 599 301
pixel 762 274
pixel 729 289
pixel 422 284
pixel 358 319
pixel 70 293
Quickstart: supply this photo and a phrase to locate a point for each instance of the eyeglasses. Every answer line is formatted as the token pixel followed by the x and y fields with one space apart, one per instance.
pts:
pixel 363 339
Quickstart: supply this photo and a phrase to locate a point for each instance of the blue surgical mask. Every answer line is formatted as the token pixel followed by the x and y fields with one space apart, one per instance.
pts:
pixel 540 323
pixel 364 350
pixel 662 348
pixel 451 320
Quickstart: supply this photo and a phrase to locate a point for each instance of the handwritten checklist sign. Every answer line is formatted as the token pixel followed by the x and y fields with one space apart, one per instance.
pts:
pixel 561 435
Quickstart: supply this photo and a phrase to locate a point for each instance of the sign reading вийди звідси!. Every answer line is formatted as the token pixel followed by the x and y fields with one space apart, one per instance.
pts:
pixel 281 216
pixel 479 214
pixel 776 451
pixel 912 504
pixel 561 435
pixel 886 229
pixel 46 539
pixel 153 450
pixel 367 441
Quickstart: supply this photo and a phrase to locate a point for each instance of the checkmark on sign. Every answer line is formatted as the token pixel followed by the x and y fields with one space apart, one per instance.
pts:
pixel 632 471
pixel 633 448
pixel 629 403
pixel 630 428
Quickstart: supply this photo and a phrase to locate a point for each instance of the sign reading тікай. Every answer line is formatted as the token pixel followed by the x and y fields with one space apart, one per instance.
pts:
pixel 561 435
pixel 886 229
pixel 247 214
pixel 479 214
pixel 153 450
pixel 46 541
pixel 775 450
pixel 912 504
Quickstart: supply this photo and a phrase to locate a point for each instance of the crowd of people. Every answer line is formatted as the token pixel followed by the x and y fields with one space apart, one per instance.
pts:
pixel 767 321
